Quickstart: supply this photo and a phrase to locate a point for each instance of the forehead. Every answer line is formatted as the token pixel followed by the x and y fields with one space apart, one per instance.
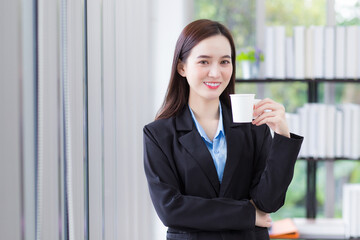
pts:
pixel 217 45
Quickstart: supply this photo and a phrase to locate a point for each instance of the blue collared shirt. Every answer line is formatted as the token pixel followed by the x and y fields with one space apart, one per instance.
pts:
pixel 217 147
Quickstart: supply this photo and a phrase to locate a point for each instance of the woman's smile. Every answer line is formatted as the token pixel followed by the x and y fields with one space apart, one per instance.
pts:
pixel 212 85
pixel 209 63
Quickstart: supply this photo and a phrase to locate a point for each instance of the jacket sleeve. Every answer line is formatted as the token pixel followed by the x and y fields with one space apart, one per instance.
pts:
pixel 275 161
pixel 189 212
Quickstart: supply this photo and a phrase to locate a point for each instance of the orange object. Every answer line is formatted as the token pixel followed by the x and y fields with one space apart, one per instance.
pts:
pixel 284 228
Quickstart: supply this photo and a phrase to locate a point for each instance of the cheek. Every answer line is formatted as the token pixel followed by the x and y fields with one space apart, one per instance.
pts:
pixel 228 73
pixel 197 73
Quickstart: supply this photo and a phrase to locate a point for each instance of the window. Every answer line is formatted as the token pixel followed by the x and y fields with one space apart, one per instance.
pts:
pixel 240 17
pixel 347 13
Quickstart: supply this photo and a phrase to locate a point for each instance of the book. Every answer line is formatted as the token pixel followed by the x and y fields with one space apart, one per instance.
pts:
pixel 318 51
pixel 269 57
pixel 329 53
pixel 331 134
pixel 340 52
pixel 312 131
pixel 299 52
pixel 329 131
pixel 320 228
pixel 284 228
pixel 304 151
pixel 309 62
pixel 351 209
pixel 339 134
pixel 355 133
pixel 322 129
pixel 358 54
pixel 279 49
pixel 351 52
pixel 347 129
pixel 289 70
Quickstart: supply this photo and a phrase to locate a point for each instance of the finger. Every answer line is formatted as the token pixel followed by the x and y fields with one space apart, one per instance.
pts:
pixel 268 120
pixel 263 116
pixel 265 101
pixel 268 106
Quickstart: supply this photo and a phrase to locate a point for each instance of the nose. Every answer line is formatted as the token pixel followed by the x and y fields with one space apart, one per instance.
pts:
pixel 214 71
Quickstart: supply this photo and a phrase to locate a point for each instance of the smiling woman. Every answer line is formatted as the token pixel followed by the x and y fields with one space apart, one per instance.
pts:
pixel 178 90
pixel 207 67
pixel 207 70
pixel 210 178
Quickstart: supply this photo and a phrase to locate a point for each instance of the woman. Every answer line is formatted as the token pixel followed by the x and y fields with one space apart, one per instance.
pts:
pixel 210 178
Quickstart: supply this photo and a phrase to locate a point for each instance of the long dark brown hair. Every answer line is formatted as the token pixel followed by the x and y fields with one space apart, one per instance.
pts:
pixel 177 94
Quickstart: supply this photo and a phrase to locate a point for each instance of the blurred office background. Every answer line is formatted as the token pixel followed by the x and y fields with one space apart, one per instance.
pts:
pixel 80 79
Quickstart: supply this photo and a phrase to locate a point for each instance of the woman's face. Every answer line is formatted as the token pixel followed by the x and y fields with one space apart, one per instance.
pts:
pixel 208 68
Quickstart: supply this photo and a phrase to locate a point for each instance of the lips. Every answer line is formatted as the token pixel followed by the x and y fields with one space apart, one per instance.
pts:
pixel 212 85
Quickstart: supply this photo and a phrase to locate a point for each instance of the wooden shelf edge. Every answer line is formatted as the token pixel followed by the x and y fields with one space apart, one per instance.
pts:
pixel 306 80
pixel 329 159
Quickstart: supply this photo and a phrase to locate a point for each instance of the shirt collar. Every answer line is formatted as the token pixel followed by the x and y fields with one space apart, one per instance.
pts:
pixel 220 128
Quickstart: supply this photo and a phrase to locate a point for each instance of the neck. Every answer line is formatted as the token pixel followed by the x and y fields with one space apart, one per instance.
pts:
pixel 205 109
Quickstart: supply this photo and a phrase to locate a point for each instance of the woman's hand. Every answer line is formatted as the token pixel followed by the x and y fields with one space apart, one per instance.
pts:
pixel 273 114
pixel 262 219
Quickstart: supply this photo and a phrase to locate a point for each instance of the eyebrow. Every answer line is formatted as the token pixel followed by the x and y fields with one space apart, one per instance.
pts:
pixel 206 56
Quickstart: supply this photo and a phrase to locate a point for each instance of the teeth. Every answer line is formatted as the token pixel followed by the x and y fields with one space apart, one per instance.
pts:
pixel 212 84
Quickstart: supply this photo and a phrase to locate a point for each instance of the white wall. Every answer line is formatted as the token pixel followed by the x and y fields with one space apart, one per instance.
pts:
pixel 168 19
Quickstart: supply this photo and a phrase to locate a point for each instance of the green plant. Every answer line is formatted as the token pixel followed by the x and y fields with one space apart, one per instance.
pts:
pixel 251 54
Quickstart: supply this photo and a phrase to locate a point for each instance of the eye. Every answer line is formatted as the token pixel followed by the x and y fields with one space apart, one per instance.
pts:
pixel 203 62
pixel 225 62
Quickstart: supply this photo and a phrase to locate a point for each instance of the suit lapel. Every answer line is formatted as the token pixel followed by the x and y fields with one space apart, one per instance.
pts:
pixel 195 145
pixel 234 140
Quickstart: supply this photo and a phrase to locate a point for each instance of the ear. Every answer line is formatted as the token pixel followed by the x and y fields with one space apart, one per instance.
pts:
pixel 181 68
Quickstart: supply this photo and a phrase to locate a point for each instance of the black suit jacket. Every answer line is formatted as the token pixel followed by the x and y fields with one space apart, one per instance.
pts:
pixel 184 185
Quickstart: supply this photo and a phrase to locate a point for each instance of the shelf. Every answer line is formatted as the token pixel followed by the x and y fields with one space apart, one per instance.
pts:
pixel 329 159
pixel 318 80
pixel 311 162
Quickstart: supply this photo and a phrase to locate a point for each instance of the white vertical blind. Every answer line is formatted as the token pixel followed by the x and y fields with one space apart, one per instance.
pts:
pixel 95 120
pixel 74 116
pixel 49 123
pixel 10 121
pixel 28 117
pixel 123 214
pixel 119 106
pixel 109 109
pixel 121 92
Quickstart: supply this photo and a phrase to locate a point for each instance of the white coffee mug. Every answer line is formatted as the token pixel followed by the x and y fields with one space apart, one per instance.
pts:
pixel 242 106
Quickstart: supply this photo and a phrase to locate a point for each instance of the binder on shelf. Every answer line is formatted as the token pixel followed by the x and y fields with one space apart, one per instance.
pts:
pixel 309 61
pixel 318 51
pixel 269 57
pixel 329 53
pixel 352 43
pixel 351 210
pixel 339 134
pixel 289 70
pixel 293 121
pixel 279 52
pixel 340 52
pixel 347 128
pixel 322 129
pixel 312 117
pixel 358 54
pixel 330 131
pixel 304 152
pixel 299 52
pixel 284 228
pixel 355 133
